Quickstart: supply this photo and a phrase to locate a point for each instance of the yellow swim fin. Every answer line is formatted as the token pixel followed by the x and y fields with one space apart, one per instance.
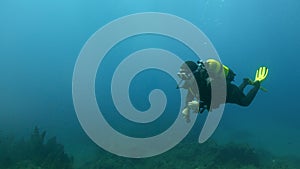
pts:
pixel 261 75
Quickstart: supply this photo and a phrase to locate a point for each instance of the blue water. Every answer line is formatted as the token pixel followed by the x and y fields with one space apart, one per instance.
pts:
pixel 41 40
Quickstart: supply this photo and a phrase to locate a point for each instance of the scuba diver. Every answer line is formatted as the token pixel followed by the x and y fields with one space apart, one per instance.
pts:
pixel 198 77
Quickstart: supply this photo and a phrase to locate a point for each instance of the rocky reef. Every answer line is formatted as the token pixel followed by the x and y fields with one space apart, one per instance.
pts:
pixel 209 155
pixel 35 153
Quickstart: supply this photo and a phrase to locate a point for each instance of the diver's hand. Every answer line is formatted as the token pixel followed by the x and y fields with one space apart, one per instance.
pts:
pixel 194 105
pixel 186 114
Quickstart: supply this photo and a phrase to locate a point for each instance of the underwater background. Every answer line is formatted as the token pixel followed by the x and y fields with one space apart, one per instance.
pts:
pixel 41 40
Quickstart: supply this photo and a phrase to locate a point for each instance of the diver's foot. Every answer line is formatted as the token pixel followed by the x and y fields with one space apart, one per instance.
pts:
pixel 256 83
pixel 261 74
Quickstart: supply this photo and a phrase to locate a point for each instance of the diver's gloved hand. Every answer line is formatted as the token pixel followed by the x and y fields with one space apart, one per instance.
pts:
pixel 186 114
pixel 194 105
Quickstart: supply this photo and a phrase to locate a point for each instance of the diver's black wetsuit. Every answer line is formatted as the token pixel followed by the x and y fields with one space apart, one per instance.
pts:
pixel 202 92
pixel 234 93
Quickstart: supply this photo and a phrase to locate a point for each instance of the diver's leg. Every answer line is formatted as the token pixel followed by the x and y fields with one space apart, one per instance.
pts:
pixel 251 94
pixel 245 82
pixel 235 95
